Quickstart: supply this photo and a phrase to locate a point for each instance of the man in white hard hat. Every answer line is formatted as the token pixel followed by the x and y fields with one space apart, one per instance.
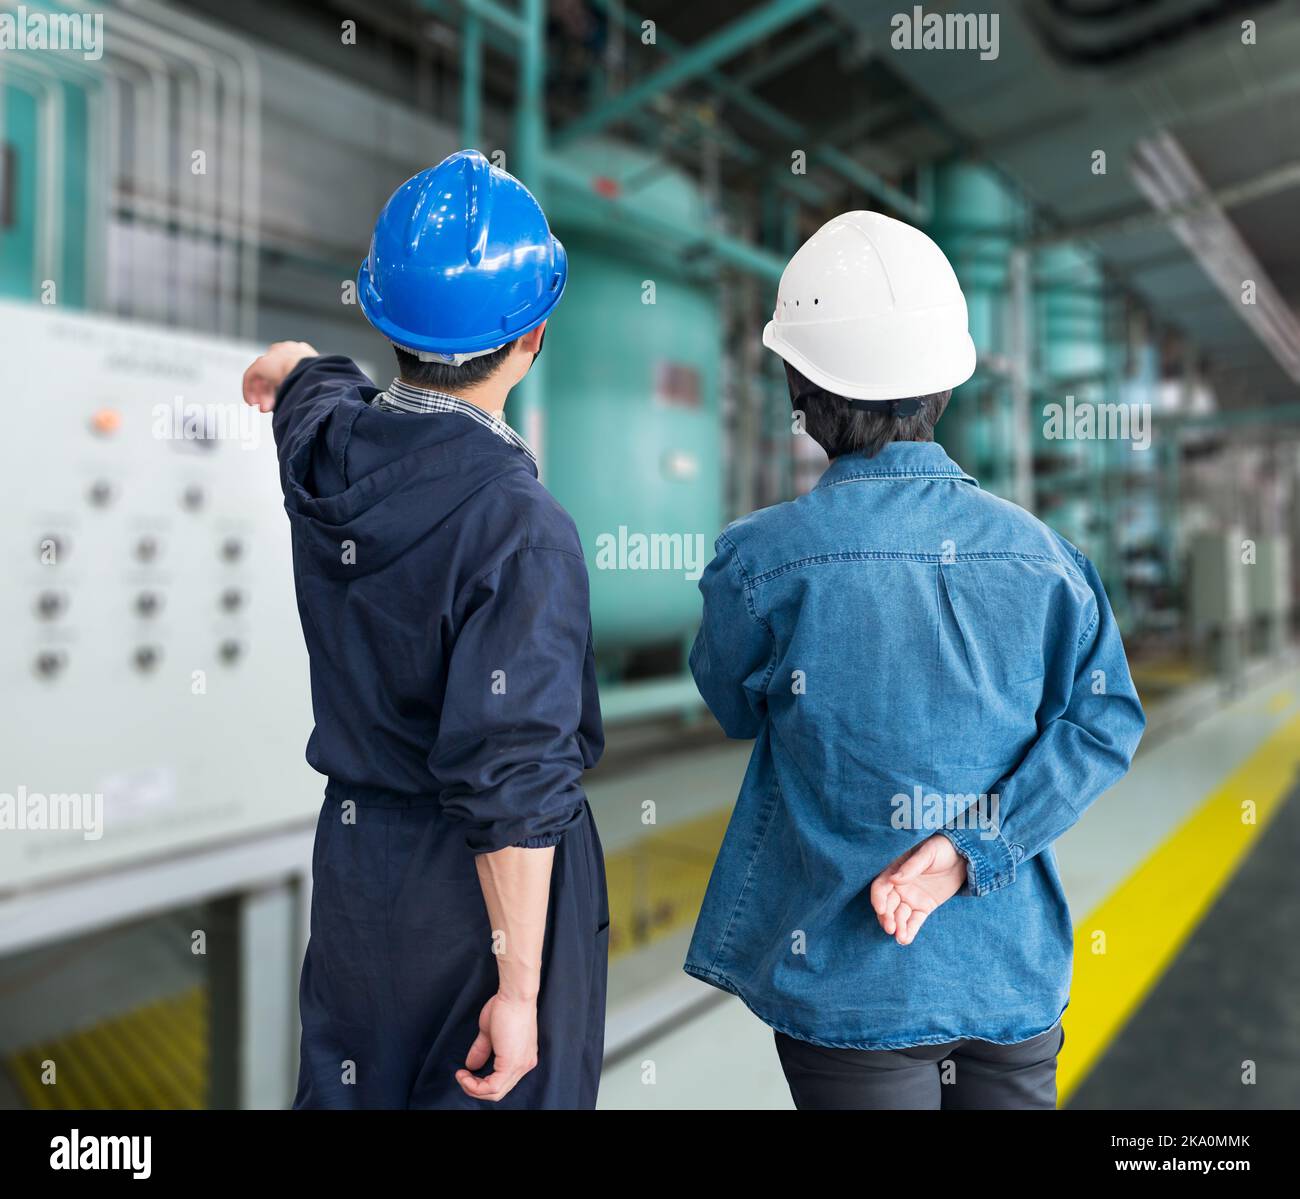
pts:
pixel 937 690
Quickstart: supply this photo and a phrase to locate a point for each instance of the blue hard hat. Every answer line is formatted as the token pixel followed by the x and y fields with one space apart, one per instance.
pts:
pixel 462 260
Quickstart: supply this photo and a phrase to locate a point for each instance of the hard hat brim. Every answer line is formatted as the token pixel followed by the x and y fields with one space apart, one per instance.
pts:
pixel 932 367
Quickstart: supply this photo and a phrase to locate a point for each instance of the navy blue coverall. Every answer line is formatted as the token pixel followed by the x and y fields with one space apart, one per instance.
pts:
pixel 444 602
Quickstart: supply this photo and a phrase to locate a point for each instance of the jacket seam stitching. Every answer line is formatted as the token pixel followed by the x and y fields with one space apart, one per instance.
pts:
pixel 746 589
pixel 1087 633
pixel 523 515
pixel 745 584
pixel 347 442
pixel 900 556
pixel 955 476
pixel 1080 565
pixel 768 816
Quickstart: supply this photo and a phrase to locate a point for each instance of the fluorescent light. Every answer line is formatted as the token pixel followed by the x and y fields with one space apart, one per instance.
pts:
pixel 1166 177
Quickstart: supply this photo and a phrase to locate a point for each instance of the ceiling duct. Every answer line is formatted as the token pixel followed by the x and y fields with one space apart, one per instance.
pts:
pixel 1165 175
pixel 1110 33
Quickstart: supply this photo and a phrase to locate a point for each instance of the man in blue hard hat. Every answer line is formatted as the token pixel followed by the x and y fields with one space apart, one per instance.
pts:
pixel 459 924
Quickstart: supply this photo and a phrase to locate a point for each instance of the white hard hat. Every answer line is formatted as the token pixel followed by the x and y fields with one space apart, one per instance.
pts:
pixel 870 309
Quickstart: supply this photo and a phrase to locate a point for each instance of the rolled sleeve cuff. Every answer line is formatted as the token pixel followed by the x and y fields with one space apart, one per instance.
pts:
pixel 535 833
pixel 541 842
pixel 990 862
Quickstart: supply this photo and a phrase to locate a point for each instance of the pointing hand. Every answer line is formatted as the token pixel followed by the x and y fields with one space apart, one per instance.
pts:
pixel 263 378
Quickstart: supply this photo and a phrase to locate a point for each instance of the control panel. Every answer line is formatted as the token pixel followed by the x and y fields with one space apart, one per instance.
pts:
pixel 155 688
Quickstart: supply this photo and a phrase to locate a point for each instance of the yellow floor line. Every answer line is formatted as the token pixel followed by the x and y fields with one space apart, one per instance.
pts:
pixel 1146 921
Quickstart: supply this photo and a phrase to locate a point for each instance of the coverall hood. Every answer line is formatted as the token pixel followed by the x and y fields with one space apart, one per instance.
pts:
pixel 362 486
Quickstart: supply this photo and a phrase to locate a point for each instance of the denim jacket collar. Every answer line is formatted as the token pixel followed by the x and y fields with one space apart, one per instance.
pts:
pixel 898 460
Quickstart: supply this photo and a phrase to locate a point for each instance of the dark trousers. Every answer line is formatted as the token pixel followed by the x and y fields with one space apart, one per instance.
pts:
pixel 400 964
pixel 957 1076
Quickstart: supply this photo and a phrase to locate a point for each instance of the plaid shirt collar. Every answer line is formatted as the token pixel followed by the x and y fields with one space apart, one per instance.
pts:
pixel 406 397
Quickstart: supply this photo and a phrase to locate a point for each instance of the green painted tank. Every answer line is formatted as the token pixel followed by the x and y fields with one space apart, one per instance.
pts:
pixel 19 131
pixel 1070 314
pixel 633 441
pixel 978 221
pixel 23 140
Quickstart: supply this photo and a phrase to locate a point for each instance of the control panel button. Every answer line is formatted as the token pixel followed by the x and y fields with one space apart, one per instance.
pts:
pixel 146 658
pixel 146 549
pixel 106 421
pixel 192 498
pixel 101 493
pixel 230 652
pixel 147 603
pixel 232 549
pixel 50 604
pixel 232 599
pixel 49 663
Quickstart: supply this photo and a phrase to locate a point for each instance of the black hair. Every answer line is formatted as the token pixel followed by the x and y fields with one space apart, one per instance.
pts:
pixel 840 429
pixel 442 376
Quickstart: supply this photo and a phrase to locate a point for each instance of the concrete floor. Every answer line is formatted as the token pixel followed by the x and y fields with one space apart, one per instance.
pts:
pixel 722 1060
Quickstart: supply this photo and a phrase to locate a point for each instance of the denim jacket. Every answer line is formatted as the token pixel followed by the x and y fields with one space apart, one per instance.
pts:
pixel 911 655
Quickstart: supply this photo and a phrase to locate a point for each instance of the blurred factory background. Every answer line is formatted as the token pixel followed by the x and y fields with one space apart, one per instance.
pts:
pixel 1117 190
